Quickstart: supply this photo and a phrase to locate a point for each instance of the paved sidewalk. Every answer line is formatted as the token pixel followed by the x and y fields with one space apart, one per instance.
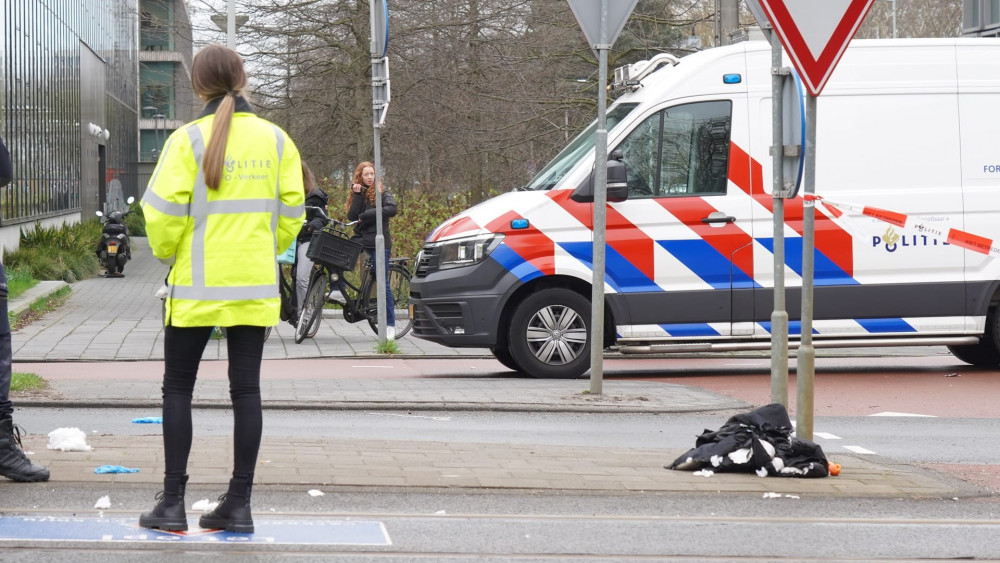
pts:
pixel 103 348
pixel 112 319
pixel 318 462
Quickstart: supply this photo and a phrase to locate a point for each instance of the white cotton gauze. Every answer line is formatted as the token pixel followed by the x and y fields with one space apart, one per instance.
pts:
pixel 741 455
pixel 103 502
pixel 68 440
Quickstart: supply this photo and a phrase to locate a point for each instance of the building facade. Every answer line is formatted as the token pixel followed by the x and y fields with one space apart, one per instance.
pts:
pixel 68 108
pixel 981 18
pixel 165 52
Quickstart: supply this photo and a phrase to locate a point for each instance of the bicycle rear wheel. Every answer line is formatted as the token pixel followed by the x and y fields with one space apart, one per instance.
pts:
pixel 399 284
pixel 312 308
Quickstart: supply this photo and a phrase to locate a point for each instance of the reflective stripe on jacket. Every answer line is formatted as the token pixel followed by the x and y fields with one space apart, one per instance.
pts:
pixel 223 243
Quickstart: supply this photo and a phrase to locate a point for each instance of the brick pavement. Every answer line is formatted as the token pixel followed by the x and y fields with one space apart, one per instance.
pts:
pixel 318 462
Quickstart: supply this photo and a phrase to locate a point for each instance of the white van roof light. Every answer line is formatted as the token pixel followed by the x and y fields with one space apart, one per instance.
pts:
pixel 629 76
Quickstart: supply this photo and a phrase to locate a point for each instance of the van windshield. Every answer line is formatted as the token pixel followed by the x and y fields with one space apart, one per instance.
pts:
pixel 581 147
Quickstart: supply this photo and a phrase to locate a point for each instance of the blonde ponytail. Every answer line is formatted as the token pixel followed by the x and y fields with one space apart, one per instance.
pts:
pixel 218 71
pixel 215 152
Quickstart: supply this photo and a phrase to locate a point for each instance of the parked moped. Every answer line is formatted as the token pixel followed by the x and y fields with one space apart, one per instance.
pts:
pixel 114 250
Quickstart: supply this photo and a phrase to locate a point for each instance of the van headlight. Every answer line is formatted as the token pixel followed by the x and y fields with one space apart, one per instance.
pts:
pixel 467 251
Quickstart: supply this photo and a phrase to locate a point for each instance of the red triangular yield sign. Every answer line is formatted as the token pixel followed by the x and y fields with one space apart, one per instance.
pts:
pixel 815 33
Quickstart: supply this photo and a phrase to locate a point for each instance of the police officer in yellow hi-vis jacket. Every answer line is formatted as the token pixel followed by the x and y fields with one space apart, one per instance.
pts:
pixel 226 197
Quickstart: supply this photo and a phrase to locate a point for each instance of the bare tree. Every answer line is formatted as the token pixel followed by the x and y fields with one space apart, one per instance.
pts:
pixel 483 91
pixel 914 18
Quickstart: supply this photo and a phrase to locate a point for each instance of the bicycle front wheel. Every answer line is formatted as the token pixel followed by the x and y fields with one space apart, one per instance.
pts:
pixel 399 284
pixel 312 308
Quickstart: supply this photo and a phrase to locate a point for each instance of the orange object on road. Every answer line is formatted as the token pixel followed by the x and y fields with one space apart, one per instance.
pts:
pixel 834 468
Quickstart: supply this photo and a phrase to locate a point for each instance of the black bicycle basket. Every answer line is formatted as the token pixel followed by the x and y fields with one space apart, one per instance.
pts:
pixel 333 251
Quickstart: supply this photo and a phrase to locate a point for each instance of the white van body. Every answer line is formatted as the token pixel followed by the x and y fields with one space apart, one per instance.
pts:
pixel 910 126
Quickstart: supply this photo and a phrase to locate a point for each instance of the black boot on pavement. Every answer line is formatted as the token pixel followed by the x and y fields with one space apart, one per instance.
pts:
pixel 13 463
pixel 169 513
pixel 233 514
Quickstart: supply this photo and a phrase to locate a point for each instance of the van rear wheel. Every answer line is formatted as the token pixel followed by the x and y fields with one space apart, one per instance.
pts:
pixel 986 353
pixel 550 334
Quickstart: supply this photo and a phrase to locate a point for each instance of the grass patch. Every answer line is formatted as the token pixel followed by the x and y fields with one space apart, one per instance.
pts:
pixel 37 309
pixel 390 347
pixel 19 281
pixel 27 382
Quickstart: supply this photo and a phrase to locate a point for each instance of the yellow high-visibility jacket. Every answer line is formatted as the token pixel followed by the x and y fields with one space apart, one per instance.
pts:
pixel 223 243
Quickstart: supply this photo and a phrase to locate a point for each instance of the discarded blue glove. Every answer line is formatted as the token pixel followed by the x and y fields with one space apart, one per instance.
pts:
pixel 115 469
pixel 148 420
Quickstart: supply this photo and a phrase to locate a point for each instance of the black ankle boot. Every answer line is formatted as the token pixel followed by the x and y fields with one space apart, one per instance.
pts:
pixel 169 513
pixel 233 513
pixel 13 463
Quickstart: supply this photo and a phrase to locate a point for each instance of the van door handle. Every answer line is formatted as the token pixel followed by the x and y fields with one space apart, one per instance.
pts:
pixel 719 217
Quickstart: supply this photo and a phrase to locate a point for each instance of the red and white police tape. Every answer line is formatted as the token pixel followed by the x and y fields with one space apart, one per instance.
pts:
pixel 956 237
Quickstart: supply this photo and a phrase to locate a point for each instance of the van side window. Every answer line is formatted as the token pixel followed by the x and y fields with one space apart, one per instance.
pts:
pixel 680 151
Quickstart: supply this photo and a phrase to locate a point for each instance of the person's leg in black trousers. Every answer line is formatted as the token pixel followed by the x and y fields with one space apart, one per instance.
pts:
pixel 245 346
pixel 182 350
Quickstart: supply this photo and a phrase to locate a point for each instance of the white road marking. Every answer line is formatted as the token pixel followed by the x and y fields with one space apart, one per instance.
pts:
pixel 858 450
pixel 826 436
pixel 410 415
pixel 903 414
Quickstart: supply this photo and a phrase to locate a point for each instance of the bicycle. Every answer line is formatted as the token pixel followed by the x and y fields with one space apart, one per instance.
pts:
pixel 332 250
pixel 288 264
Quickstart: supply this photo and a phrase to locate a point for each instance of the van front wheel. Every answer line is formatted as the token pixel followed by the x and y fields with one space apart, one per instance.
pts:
pixel 503 356
pixel 550 334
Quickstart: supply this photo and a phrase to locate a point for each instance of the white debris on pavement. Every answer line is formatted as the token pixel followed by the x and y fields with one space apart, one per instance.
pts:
pixel 68 440
pixel 704 473
pixel 779 495
pixel 103 502
pixel 204 505
pixel 315 493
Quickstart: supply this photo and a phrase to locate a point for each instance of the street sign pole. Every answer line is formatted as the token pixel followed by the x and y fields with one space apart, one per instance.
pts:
pixel 805 372
pixel 779 315
pixel 380 101
pixel 601 27
pixel 231 25
pixel 600 212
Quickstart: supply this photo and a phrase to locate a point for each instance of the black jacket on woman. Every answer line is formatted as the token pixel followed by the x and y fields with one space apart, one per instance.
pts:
pixel 314 222
pixel 363 211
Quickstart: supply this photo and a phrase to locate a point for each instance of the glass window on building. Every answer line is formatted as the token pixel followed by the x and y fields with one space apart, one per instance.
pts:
pixel 151 142
pixel 157 80
pixel 154 25
pixel 994 11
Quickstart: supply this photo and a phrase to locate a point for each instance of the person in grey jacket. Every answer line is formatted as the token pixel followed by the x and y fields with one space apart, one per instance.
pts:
pixel 14 464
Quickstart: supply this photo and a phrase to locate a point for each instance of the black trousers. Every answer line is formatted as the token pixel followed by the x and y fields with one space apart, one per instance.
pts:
pixel 182 350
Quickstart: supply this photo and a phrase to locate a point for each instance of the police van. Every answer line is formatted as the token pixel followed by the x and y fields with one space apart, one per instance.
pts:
pixel 908 128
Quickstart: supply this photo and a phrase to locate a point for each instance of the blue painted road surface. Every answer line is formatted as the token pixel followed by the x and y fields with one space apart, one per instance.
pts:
pixel 272 532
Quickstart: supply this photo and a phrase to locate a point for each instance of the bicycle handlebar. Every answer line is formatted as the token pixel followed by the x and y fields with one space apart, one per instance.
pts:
pixel 327 219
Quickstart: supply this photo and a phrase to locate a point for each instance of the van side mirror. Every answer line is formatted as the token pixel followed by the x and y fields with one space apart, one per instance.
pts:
pixel 617 181
pixel 617 188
